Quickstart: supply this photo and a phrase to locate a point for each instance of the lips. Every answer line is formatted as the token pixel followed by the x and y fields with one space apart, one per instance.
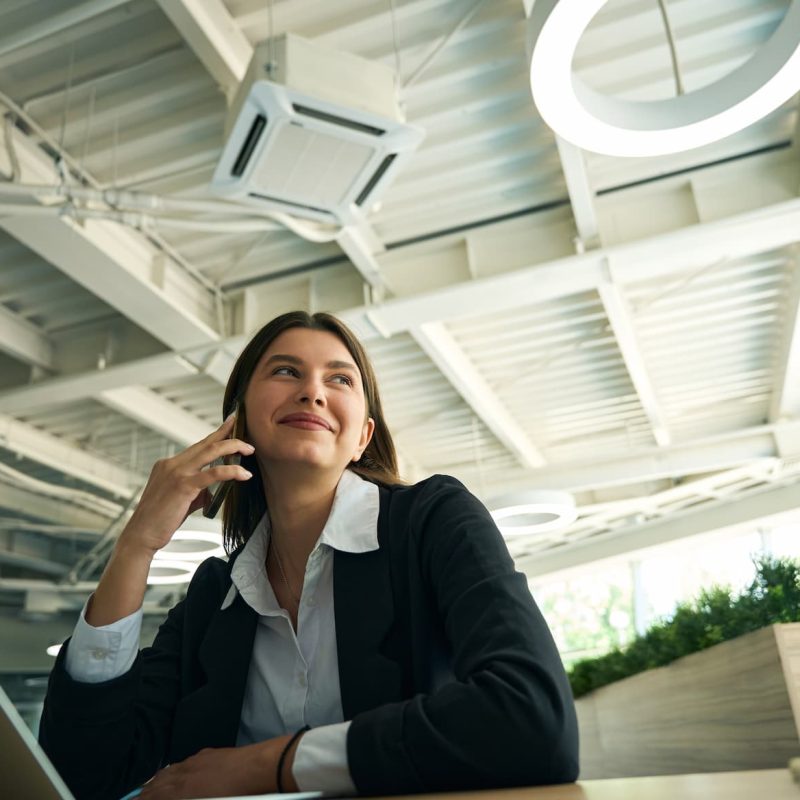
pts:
pixel 304 420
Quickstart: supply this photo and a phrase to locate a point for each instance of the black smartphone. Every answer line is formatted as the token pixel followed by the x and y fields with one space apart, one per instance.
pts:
pixel 217 492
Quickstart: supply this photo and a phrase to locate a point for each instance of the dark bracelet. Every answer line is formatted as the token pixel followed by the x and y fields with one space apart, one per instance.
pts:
pixel 291 741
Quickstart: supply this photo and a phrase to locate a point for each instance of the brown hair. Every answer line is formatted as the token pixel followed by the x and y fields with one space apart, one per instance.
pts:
pixel 245 504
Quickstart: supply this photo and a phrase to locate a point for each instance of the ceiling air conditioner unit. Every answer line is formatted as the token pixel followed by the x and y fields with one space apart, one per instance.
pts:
pixel 313 132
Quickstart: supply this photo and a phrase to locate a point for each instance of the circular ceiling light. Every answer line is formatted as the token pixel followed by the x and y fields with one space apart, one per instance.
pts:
pixel 191 545
pixel 532 512
pixel 164 571
pixel 617 127
pixel 198 538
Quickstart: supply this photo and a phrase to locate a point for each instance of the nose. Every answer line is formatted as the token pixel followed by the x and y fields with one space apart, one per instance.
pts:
pixel 311 390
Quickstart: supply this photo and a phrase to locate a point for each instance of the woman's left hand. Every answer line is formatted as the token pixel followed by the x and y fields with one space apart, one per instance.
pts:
pixel 221 771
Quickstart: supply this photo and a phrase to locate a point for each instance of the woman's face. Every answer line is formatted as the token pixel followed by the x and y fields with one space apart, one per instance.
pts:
pixel 307 372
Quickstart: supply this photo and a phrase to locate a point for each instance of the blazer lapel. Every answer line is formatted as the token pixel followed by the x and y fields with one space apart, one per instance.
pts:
pixel 209 716
pixel 364 613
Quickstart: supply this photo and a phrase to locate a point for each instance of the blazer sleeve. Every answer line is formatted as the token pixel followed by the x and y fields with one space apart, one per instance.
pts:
pixel 508 718
pixel 108 738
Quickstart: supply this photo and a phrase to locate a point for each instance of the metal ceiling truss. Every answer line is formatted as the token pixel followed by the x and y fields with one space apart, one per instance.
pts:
pixel 504 266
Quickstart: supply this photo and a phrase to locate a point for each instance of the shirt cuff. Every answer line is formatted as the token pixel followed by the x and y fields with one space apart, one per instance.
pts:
pixel 95 655
pixel 320 761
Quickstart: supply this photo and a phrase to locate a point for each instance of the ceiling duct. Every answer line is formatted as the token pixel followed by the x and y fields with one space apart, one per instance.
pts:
pixel 313 132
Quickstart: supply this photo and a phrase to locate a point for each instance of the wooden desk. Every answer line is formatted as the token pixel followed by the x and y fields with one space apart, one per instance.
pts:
pixel 769 784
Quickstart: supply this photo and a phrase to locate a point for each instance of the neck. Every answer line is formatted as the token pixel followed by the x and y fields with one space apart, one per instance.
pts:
pixel 299 500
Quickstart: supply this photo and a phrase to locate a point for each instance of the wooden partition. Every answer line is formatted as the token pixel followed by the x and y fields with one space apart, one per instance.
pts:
pixel 735 706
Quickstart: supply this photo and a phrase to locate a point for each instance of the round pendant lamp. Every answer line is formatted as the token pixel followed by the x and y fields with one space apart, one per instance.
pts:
pixel 532 512
pixel 613 126
pixel 197 539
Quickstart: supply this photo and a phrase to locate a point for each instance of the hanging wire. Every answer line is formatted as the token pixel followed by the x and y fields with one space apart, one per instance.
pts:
pixel 88 131
pixel 271 31
pixel 397 66
pixel 478 454
pixel 114 145
pixel 442 43
pixel 67 92
pixel 672 50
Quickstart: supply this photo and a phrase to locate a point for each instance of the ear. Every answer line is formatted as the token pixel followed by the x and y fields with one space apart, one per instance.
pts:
pixel 366 437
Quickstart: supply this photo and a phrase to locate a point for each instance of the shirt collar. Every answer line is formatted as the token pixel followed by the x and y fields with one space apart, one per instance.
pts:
pixel 352 526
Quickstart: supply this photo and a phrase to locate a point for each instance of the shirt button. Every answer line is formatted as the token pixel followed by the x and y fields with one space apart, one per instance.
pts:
pixel 310 601
pixel 99 654
pixel 301 679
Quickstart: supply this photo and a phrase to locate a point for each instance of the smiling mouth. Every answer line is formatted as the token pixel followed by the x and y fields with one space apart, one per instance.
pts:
pixel 306 424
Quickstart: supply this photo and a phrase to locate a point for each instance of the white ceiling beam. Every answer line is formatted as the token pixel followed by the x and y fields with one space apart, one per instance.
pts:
pixel 38 564
pixel 114 262
pixel 218 363
pixel 581 194
pixel 121 268
pixel 641 466
pixel 51 509
pixel 620 317
pixel 360 244
pixel 785 403
pixel 682 250
pixel 214 36
pixel 68 459
pixel 48 24
pixel 157 413
pixel 440 346
pixel 65 389
pixel 739 514
pixel 24 341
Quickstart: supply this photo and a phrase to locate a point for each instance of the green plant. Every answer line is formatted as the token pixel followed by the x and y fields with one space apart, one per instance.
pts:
pixel 715 616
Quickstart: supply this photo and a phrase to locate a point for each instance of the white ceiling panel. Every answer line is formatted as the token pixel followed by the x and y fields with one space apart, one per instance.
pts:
pixel 612 334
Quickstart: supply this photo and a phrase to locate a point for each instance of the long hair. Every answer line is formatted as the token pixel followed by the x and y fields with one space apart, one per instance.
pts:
pixel 245 504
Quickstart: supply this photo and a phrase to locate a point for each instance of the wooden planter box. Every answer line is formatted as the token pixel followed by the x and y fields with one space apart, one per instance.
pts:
pixel 735 706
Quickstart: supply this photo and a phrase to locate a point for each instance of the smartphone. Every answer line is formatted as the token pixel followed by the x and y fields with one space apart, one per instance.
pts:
pixel 217 492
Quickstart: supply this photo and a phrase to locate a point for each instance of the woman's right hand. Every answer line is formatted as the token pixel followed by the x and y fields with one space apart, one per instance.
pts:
pixel 178 485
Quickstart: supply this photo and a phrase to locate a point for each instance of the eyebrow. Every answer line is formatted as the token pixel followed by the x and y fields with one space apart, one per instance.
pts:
pixel 299 361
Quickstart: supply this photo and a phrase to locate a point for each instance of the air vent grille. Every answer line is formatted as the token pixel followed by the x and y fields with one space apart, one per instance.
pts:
pixel 343 122
pixel 373 181
pixel 246 152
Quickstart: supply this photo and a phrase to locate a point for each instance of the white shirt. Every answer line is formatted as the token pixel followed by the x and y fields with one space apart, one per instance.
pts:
pixel 293 680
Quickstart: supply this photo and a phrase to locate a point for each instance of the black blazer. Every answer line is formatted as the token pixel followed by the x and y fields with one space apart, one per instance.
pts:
pixel 447 669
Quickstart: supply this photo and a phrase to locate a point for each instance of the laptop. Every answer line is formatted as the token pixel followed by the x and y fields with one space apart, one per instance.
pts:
pixel 25 771
pixel 27 774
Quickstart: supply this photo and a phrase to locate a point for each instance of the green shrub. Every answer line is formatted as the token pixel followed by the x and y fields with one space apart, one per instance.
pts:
pixel 715 616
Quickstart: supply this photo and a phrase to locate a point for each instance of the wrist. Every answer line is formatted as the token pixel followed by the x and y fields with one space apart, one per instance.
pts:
pixel 284 772
pixel 131 550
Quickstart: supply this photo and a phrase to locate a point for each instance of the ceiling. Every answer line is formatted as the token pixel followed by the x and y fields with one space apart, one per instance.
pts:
pixel 538 316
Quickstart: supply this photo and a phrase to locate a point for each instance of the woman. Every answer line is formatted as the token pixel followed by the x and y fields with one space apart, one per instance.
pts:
pixel 386 618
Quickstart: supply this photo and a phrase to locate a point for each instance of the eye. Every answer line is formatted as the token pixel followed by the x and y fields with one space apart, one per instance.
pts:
pixel 291 369
pixel 345 378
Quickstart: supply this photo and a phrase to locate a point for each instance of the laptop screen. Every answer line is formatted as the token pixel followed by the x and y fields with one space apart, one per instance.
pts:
pixel 25 771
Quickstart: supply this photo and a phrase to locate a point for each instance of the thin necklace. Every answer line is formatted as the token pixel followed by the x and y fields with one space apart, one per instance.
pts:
pixel 283 574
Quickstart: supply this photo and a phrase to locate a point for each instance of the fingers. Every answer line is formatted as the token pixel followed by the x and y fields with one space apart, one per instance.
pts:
pixel 228 472
pixel 206 451
pixel 222 433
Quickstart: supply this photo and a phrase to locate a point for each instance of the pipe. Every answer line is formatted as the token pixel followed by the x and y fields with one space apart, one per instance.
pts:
pixel 139 220
pixel 124 201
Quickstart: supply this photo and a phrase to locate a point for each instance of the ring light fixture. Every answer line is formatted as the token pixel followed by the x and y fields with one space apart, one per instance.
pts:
pixel 198 538
pixel 533 512
pixel 164 571
pixel 192 545
pixel 617 127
